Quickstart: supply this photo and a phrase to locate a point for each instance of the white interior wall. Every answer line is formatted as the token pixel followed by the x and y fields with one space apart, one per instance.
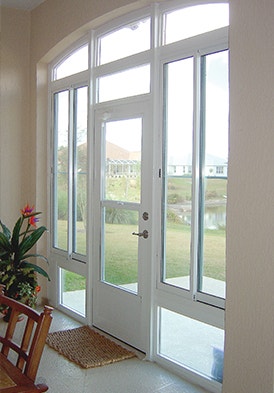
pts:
pixel 250 247
pixel 15 136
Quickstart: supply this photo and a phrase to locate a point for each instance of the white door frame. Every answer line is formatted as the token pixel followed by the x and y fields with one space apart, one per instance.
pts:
pixel 117 311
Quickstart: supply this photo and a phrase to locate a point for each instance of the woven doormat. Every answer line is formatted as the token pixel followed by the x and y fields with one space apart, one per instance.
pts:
pixel 86 347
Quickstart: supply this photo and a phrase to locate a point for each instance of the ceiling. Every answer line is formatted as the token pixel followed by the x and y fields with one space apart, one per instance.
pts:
pixel 21 4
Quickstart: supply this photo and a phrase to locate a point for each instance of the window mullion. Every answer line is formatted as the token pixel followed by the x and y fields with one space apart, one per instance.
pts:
pixel 70 172
pixel 55 170
pixel 201 171
pixel 194 282
pixel 74 171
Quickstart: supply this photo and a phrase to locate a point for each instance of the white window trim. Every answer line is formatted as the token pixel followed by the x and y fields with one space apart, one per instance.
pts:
pixel 175 299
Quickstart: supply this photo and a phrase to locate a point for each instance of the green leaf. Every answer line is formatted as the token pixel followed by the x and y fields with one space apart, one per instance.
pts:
pixel 6 230
pixel 29 242
pixel 36 256
pixel 4 243
pixel 36 268
pixel 15 234
pixel 3 254
pixel 5 264
pixel 8 280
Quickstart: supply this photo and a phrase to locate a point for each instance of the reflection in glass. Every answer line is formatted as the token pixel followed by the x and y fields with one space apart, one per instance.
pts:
pixel 130 39
pixel 178 172
pixel 120 259
pixel 123 84
pixel 192 343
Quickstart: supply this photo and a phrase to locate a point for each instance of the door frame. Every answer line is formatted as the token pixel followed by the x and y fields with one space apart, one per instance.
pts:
pixel 111 302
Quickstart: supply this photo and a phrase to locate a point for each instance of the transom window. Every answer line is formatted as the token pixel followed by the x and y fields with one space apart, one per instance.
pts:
pixel 191 21
pixel 72 64
pixel 126 41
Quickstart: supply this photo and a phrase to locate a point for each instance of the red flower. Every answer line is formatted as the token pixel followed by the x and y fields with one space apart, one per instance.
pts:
pixel 33 220
pixel 38 288
pixel 27 210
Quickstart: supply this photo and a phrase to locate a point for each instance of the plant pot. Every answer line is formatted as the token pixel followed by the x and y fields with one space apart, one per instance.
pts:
pixel 6 317
pixel 218 364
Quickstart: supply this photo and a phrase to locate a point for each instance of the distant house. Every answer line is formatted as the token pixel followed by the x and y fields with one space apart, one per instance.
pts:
pixel 214 166
pixel 121 162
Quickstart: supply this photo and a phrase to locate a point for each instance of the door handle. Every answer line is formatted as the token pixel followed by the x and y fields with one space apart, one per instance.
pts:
pixel 143 234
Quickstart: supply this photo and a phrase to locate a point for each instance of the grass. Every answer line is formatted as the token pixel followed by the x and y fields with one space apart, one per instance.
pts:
pixel 121 265
pixel 178 252
pixel 121 255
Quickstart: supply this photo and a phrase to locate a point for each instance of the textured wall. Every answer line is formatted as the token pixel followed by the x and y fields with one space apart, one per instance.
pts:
pixel 250 250
pixel 14 112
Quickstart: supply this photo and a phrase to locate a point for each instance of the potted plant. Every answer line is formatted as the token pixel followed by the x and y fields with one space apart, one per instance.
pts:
pixel 16 272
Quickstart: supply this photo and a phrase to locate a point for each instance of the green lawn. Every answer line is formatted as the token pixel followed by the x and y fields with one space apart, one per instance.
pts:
pixel 121 251
pixel 121 246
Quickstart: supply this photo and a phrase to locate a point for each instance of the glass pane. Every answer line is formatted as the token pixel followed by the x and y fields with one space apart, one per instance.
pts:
pixel 123 140
pixel 192 343
pixel 178 172
pixel 191 21
pixel 124 84
pixel 61 121
pixel 80 169
pixel 213 225
pixel 128 40
pixel 120 256
pixel 76 62
pixel 73 291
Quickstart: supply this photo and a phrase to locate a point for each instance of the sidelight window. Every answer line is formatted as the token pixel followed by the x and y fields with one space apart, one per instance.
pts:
pixel 70 171
pixel 194 201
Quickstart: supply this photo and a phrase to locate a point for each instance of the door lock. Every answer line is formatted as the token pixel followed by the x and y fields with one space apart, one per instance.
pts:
pixel 145 216
pixel 143 234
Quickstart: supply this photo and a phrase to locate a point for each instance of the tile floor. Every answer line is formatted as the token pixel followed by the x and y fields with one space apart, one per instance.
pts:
pixel 129 376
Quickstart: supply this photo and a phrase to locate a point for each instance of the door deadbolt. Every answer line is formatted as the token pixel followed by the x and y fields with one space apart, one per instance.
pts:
pixel 145 216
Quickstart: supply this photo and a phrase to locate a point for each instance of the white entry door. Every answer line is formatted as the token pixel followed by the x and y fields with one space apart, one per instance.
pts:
pixel 123 239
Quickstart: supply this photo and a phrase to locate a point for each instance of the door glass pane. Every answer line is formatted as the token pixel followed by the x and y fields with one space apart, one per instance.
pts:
pixel 192 343
pixel 120 258
pixel 214 185
pixel 123 140
pixel 73 291
pixel 76 62
pixel 128 40
pixel 191 21
pixel 80 171
pixel 61 124
pixel 178 172
pixel 124 84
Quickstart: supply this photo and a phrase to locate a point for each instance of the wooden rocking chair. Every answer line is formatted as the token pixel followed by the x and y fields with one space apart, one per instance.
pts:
pixel 19 375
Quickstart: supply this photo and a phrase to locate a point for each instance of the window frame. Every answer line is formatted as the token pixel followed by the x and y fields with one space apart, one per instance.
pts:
pixel 205 308
pixel 204 44
pixel 69 83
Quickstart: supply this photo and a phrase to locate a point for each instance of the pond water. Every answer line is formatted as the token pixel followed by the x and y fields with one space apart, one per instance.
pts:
pixel 214 217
